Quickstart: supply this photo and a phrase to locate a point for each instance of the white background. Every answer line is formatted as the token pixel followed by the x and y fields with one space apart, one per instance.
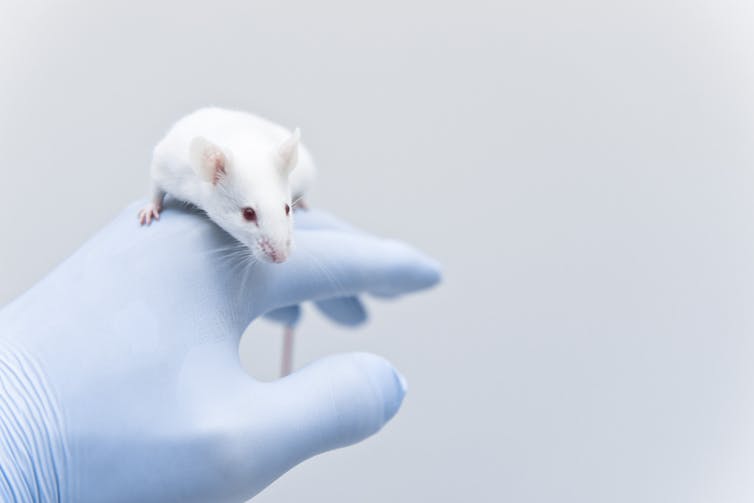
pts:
pixel 582 169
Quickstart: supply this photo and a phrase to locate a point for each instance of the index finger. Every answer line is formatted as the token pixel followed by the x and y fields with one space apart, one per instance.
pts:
pixel 332 263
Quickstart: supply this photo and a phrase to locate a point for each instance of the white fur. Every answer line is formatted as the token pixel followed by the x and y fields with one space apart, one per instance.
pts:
pixel 223 161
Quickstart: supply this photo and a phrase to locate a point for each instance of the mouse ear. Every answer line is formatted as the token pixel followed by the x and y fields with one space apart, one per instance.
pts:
pixel 288 152
pixel 209 161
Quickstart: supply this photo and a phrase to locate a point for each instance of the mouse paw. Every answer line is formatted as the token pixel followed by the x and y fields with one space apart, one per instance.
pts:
pixel 149 212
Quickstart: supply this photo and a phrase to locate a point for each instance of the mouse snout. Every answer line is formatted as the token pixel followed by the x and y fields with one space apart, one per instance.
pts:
pixel 274 252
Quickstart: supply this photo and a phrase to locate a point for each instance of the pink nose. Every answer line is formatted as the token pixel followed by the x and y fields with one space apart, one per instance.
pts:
pixel 276 257
pixel 273 254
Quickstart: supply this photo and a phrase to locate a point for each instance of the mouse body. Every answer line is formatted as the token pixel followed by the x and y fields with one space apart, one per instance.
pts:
pixel 245 172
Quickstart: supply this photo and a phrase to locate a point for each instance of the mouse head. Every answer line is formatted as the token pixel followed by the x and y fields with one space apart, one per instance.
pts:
pixel 250 194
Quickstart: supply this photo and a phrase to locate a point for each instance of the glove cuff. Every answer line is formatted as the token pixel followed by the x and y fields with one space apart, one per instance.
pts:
pixel 33 452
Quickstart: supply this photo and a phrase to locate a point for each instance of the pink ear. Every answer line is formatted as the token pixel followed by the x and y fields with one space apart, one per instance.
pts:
pixel 216 161
pixel 208 160
pixel 288 152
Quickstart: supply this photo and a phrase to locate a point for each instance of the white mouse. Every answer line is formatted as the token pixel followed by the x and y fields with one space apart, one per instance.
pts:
pixel 244 171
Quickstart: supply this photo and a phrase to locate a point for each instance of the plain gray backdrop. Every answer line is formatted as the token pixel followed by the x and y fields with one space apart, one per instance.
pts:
pixel 584 170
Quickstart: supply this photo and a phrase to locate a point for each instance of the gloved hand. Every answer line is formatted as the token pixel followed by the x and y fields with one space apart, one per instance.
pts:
pixel 347 311
pixel 120 378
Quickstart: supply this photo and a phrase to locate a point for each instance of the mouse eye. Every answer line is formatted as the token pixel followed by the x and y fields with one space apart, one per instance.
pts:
pixel 249 215
pixel 287 209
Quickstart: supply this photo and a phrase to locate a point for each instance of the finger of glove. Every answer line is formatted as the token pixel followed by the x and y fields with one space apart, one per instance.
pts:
pixel 348 311
pixel 335 264
pixel 288 316
pixel 334 402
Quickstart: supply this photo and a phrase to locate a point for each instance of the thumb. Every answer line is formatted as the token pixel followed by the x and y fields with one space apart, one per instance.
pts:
pixel 336 401
pixel 268 428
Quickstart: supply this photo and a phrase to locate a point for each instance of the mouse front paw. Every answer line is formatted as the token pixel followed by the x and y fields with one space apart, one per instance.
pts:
pixel 149 212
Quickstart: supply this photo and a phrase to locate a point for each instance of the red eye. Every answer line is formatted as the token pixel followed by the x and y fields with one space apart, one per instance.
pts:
pixel 249 214
pixel 287 210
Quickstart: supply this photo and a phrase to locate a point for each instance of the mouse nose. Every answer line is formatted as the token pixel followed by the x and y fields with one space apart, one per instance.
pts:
pixel 273 253
pixel 277 257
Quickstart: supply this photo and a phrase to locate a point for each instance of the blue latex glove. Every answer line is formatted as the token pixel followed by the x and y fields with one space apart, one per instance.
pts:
pixel 120 377
pixel 345 311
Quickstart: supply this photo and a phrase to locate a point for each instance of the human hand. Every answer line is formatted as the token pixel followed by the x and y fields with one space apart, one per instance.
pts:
pixel 120 378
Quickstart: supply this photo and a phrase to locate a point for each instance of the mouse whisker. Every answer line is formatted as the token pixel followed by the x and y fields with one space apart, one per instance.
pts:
pixel 339 288
pixel 225 256
pixel 296 201
pixel 246 269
